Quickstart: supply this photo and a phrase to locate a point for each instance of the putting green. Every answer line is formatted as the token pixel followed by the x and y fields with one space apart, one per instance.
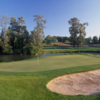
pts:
pixel 49 63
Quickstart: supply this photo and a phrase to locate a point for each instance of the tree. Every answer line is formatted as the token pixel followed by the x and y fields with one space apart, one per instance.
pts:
pixel 15 39
pixel 38 33
pixel 4 21
pixel 20 33
pixel 88 40
pixel 26 38
pixel 95 39
pixel 99 39
pixel 49 39
pixel 7 40
pixel 77 31
pixel 1 42
pixel 62 39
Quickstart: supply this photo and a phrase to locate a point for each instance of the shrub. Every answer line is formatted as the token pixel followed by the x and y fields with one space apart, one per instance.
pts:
pixel 27 49
pixel 17 51
pixel 7 51
pixel 30 50
pixel 35 49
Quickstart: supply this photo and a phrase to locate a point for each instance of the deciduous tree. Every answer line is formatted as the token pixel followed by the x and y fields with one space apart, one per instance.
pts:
pixel 38 33
pixel 95 39
pixel 77 32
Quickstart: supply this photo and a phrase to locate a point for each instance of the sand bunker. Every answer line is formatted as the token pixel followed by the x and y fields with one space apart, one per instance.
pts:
pixel 85 83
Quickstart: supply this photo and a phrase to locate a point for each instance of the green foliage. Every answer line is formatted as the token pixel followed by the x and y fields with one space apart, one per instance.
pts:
pixel 62 39
pixel 1 46
pixel 17 51
pixel 31 50
pixel 99 39
pixel 20 33
pixel 38 33
pixel 54 39
pixel 50 39
pixel 27 50
pixel 35 50
pixel 95 39
pixel 88 40
pixel 17 39
pixel 7 51
pixel 77 31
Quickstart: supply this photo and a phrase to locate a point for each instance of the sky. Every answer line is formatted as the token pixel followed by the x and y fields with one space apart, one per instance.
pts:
pixel 57 14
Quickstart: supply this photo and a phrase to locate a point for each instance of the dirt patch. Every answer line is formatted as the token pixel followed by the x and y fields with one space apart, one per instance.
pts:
pixel 85 83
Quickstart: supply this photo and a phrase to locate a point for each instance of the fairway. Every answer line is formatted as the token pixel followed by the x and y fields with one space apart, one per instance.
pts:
pixel 49 50
pixel 26 80
pixel 49 63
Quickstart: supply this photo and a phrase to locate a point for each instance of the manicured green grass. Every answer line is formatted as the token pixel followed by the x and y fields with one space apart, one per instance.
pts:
pixel 49 63
pixel 30 85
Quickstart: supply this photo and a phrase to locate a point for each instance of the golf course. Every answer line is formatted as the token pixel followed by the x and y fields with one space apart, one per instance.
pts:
pixel 49 50
pixel 27 79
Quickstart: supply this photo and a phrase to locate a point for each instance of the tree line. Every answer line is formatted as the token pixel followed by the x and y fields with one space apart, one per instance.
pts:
pixel 77 35
pixel 54 39
pixel 64 39
pixel 94 40
pixel 15 38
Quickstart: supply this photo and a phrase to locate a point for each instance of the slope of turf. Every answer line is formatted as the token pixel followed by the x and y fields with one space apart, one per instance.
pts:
pixel 32 86
pixel 49 63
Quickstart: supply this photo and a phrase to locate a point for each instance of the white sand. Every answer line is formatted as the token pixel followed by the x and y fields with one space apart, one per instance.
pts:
pixel 85 83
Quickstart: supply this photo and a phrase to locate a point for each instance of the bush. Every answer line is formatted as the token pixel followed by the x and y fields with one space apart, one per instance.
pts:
pixel 30 50
pixel 7 51
pixel 17 51
pixel 35 50
pixel 27 50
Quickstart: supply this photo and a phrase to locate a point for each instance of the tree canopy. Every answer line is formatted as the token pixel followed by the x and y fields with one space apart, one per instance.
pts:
pixel 77 32
pixel 15 38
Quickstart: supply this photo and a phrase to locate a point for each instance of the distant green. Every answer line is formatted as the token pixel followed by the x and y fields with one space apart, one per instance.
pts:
pixel 49 63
